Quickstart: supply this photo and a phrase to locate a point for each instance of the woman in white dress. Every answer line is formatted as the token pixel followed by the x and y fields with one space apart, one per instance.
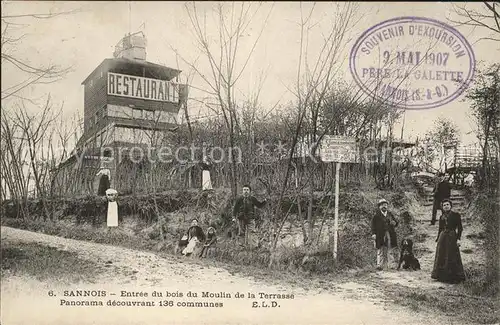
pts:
pixel 195 236
pixel 112 219
pixel 206 183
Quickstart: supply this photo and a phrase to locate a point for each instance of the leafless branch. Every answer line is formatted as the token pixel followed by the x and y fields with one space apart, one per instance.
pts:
pixel 34 74
pixel 486 17
pixel 42 15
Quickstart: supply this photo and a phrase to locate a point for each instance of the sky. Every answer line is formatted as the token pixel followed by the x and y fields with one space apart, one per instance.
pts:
pixel 82 40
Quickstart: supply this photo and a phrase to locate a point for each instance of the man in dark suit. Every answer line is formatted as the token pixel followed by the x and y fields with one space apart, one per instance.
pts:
pixel 442 191
pixel 244 210
pixel 384 233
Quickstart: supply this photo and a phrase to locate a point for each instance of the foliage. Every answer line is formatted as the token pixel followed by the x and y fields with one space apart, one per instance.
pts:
pixel 399 199
pixel 92 209
pixel 485 102
pixel 355 244
pixel 486 207
pixel 341 115
pixel 484 98
pixel 438 141
pixel 356 205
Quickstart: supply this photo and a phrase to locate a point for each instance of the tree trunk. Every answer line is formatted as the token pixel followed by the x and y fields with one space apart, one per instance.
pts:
pixel 485 179
pixel 310 216
pixel 302 220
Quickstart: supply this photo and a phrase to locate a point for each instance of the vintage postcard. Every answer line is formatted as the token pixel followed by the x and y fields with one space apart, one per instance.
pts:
pixel 250 163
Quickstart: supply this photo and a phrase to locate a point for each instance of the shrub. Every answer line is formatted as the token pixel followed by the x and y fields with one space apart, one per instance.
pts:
pixel 319 261
pixel 179 207
pixel 356 205
pixel 399 199
pixel 89 209
pixel 229 250
pixel 355 247
pixel 486 207
pixel 476 282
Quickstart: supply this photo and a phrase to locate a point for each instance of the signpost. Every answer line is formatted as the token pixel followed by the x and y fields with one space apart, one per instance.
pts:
pixel 338 149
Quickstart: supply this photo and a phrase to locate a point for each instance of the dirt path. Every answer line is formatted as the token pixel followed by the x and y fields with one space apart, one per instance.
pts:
pixel 417 290
pixel 424 237
pixel 348 303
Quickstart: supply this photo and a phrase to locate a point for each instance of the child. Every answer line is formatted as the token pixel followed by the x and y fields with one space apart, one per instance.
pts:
pixel 209 243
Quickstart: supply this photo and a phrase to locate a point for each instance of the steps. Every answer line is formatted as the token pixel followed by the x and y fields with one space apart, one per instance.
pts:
pixel 457 198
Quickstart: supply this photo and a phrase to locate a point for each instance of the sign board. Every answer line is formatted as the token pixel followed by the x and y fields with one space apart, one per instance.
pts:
pixel 338 149
pixel 142 88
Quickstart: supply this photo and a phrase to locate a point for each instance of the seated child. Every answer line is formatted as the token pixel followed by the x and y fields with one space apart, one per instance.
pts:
pixel 210 243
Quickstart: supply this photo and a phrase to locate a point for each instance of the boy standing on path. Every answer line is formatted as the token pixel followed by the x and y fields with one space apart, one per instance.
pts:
pixel 244 211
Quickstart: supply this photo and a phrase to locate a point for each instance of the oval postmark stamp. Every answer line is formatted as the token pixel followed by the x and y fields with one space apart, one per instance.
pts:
pixel 412 62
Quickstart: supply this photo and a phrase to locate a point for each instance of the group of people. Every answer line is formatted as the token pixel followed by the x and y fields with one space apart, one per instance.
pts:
pixel 447 262
pixel 243 214
pixel 195 242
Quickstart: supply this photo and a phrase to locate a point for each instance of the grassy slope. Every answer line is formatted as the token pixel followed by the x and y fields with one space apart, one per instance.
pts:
pixel 420 295
pixel 46 263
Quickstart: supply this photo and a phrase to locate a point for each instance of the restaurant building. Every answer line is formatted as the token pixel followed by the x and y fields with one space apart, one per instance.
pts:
pixel 128 103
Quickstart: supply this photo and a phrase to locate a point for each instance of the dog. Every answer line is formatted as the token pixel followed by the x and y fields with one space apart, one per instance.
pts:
pixel 407 258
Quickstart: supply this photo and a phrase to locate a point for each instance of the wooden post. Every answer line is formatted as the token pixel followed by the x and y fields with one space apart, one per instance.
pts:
pixel 336 221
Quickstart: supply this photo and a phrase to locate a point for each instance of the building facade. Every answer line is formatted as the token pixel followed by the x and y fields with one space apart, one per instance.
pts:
pixel 128 103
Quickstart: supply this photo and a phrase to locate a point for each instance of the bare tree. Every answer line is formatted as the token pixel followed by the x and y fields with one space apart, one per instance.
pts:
pixel 484 15
pixel 486 110
pixel 484 98
pixel 312 86
pixel 184 101
pixel 225 59
pixel 23 133
pixel 35 129
pixel 325 106
pixel 14 176
pixel 13 33
pixel 442 138
pixel 63 136
pixel 155 137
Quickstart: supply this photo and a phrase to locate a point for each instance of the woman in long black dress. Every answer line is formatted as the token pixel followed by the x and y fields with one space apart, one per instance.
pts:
pixel 448 263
